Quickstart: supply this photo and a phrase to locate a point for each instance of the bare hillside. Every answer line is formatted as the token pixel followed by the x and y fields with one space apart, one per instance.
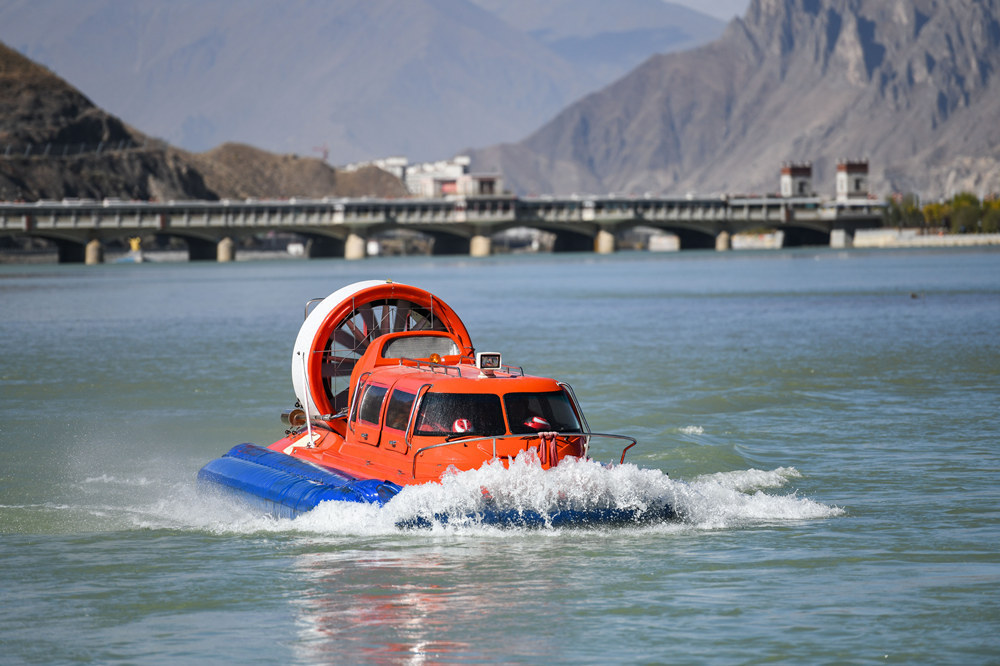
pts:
pixel 909 84
pixel 55 143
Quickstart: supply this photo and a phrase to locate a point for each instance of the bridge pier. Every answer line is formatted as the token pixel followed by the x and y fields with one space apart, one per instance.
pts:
pixel 840 238
pixel 93 253
pixel 723 241
pixel 354 246
pixel 604 242
pixel 480 246
pixel 225 251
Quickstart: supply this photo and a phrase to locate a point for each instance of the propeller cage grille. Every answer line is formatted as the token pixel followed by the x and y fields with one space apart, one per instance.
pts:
pixel 354 333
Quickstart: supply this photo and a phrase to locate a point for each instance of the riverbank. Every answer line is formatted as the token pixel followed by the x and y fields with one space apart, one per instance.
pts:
pixel 878 238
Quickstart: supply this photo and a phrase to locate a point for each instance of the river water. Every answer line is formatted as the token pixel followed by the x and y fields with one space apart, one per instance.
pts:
pixel 825 421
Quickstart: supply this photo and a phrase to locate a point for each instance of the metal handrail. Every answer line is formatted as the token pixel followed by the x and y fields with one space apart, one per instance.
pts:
pixel 525 437
pixel 430 366
pixel 310 302
pixel 455 368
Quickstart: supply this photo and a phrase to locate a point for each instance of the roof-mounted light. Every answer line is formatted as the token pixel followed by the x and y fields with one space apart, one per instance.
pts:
pixel 488 360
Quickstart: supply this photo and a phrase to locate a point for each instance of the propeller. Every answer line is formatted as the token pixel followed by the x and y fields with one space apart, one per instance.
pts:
pixel 341 327
pixel 355 332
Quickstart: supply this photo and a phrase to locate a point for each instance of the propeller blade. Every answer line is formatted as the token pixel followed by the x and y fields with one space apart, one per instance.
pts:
pixel 338 366
pixel 385 322
pixel 360 342
pixel 420 320
pixel 368 317
pixel 344 338
pixel 402 322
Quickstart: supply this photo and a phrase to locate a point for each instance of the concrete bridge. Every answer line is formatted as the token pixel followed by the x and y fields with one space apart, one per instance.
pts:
pixel 459 225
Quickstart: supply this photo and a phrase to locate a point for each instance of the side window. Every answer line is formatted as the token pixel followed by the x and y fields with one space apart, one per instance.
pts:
pixel 371 403
pixel 397 413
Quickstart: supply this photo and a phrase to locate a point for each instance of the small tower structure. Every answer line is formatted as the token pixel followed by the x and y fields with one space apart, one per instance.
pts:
pixel 852 180
pixel 796 179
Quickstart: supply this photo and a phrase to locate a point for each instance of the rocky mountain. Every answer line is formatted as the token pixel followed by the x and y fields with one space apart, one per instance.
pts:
pixel 603 40
pixel 911 85
pixel 357 79
pixel 55 143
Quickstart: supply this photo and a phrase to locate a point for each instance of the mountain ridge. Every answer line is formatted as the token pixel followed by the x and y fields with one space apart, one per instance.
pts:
pixel 98 156
pixel 366 79
pixel 903 84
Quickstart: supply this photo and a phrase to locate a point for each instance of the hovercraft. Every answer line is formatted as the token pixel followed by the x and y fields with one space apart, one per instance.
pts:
pixel 391 393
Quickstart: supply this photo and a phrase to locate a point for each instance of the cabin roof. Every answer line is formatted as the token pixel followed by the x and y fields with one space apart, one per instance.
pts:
pixel 457 378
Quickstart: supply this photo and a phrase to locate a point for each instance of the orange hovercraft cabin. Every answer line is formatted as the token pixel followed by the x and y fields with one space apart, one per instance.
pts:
pixel 390 392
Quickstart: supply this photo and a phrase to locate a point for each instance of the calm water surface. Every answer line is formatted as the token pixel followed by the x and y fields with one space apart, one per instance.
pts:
pixel 828 422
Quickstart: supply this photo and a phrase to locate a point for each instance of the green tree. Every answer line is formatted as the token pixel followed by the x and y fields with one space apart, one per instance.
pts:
pixel 892 214
pixel 912 215
pixel 966 212
pixel 903 210
pixel 937 214
pixel 991 215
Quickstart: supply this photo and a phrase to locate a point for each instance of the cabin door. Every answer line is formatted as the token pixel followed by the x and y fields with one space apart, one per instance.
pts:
pixel 397 418
pixel 366 422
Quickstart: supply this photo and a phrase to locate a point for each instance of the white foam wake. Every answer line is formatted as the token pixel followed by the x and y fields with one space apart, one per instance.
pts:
pixel 728 499
pixel 711 502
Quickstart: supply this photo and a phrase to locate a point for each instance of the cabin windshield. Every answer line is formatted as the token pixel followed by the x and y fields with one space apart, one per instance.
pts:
pixel 460 413
pixel 534 412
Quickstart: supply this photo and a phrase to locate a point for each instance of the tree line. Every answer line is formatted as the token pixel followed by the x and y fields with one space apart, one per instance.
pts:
pixel 964 213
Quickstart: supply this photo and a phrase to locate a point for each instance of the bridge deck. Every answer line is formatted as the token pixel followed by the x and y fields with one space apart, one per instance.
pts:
pixel 346 220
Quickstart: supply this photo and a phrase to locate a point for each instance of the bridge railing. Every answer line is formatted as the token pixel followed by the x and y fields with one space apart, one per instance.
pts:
pixel 363 212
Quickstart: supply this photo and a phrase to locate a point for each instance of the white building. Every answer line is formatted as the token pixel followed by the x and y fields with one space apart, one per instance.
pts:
pixel 796 179
pixel 451 177
pixel 852 179
pixel 438 179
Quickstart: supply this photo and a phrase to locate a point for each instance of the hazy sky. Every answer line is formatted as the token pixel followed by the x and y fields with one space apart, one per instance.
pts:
pixel 723 9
